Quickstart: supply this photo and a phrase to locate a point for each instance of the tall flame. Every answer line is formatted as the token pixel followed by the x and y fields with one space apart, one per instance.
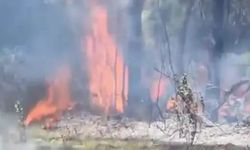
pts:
pixel 58 98
pixel 108 76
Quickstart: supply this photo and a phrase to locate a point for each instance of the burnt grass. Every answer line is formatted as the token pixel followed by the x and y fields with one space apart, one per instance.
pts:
pixel 113 144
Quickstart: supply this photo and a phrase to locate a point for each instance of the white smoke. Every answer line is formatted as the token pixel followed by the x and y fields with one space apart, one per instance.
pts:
pixel 9 134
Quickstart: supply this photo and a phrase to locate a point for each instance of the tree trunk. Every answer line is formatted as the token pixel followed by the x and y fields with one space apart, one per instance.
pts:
pixel 138 102
pixel 218 49
pixel 182 37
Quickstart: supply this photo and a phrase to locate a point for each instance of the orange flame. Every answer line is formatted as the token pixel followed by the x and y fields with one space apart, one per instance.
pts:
pixel 108 76
pixel 58 98
pixel 157 88
pixel 171 104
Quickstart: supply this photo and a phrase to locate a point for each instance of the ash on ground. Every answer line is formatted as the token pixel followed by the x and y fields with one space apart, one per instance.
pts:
pixel 85 125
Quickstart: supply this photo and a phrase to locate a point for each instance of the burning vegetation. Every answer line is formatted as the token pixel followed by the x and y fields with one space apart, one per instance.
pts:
pixel 56 102
pixel 106 69
pixel 124 60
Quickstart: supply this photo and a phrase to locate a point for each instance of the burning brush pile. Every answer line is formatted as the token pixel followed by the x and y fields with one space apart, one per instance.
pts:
pixel 183 119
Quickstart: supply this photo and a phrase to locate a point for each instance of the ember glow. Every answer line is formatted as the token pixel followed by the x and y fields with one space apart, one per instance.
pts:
pixel 57 101
pixel 171 104
pixel 108 75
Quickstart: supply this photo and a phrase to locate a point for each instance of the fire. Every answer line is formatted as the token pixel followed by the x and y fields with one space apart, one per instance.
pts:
pixel 157 88
pixel 57 101
pixel 108 75
pixel 171 104
pixel 106 70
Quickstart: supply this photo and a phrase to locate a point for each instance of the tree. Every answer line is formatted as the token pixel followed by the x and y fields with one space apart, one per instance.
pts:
pixel 137 94
pixel 183 35
pixel 218 49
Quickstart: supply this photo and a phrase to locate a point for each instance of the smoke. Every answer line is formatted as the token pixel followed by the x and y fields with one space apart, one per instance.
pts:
pixel 9 134
pixel 40 35
pixel 43 34
pixel 48 33
pixel 36 38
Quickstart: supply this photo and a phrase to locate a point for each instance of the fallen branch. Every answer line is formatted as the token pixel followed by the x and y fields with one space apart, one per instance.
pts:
pixel 228 93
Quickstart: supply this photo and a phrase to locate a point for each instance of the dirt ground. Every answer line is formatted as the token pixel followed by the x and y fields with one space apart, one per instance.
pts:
pixel 85 131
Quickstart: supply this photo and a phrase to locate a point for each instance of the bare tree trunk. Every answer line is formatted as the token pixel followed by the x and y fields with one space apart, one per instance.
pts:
pixel 218 49
pixel 138 101
pixel 182 37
